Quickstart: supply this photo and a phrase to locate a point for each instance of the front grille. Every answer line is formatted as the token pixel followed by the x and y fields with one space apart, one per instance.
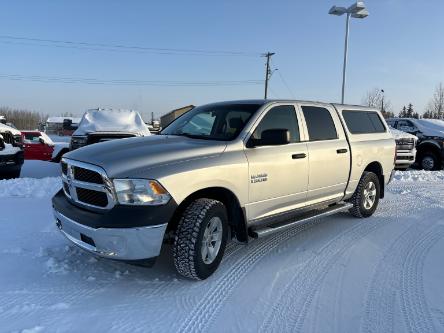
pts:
pixel 405 144
pixel 405 158
pixel 87 185
pixel 85 175
pixel 92 197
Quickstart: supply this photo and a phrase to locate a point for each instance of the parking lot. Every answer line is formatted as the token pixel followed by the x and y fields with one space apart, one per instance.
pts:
pixel 335 274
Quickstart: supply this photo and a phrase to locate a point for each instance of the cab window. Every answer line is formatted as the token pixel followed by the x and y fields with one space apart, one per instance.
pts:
pixel 279 117
pixel 320 124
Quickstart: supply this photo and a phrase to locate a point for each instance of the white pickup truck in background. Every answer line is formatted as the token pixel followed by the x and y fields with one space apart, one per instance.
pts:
pixel 405 149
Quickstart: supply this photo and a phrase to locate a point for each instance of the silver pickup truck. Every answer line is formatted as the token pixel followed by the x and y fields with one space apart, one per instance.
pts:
pixel 241 169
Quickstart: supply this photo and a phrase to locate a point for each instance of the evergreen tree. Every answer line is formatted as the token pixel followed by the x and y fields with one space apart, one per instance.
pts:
pixel 409 113
pixel 403 112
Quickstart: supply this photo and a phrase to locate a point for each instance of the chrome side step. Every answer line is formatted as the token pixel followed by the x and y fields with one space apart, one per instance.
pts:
pixel 271 229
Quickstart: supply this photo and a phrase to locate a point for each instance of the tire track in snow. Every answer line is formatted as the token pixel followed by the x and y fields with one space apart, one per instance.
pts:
pixel 386 281
pixel 205 311
pixel 291 308
pixel 417 315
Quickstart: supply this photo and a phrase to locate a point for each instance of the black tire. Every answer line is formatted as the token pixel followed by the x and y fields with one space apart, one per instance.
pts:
pixel 188 257
pixel 358 198
pixel 429 161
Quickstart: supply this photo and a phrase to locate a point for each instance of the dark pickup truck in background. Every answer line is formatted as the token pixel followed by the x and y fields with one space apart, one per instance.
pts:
pixel 430 146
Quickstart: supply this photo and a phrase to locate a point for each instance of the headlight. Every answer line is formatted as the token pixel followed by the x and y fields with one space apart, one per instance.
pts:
pixel 78 141
pixel 140 192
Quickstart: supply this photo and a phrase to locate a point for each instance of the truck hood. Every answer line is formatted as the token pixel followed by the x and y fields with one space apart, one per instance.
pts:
pixel 125 157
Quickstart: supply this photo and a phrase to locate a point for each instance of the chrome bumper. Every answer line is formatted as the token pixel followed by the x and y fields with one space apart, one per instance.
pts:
pixel 114 243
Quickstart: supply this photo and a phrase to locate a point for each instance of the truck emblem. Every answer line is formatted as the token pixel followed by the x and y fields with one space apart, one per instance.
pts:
pixel 259 178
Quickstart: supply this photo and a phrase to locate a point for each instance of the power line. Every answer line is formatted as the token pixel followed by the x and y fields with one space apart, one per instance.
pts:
pixel 286 84
pixel 118 47
pixel 128 82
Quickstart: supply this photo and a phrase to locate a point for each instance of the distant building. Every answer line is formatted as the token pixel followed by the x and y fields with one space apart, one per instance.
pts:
pixel 166 119
pixel 62 126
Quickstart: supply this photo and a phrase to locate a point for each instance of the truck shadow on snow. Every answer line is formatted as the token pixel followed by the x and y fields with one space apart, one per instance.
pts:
pixel 69 260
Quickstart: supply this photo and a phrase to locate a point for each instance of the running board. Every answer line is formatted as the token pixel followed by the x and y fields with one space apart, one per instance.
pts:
pixel 271 229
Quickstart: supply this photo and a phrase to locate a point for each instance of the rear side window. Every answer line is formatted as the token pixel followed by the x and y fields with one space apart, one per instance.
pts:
pixel 279 117
pixel 320 124
pixel 363 122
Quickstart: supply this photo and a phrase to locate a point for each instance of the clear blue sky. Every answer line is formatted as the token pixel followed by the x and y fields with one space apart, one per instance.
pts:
pixel 399 47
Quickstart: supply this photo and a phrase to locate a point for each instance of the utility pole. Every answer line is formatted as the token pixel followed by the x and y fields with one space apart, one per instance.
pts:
pixel 267 71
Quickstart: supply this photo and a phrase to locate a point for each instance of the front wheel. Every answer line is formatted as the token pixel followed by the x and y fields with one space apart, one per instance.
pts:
pixel 201 238
pixel 429 162
pixel 366 197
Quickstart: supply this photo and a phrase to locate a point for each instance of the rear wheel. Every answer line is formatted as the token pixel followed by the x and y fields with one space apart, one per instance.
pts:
pixel 366 197
pixel 200 239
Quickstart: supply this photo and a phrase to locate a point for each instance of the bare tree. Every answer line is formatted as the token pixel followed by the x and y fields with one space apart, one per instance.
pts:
pixel 375 98
pixel 435 108
pixel 23 119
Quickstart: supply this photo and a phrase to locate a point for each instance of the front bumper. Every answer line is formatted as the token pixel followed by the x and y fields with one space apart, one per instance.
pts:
pixel 129 244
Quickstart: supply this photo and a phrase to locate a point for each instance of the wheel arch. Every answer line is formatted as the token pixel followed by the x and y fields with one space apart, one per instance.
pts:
pixel 236 214
pixel 428 146
pixel 377 169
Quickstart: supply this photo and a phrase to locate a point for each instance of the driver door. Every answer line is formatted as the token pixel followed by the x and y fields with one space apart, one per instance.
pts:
pixel 278 175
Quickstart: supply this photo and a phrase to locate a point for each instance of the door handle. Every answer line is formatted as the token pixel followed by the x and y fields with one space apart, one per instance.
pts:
pixel 298 156
pixel 341 151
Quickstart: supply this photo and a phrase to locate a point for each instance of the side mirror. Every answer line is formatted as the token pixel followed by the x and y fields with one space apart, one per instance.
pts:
pixel 271 137
pixel 42 141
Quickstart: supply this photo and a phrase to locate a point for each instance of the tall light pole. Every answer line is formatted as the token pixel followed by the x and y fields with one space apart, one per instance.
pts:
pixel 382 100
pixel 357 10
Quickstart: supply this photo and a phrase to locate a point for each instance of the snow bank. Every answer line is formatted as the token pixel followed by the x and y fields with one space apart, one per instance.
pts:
pixel 419 176
pixel 29 187
pixel 111 120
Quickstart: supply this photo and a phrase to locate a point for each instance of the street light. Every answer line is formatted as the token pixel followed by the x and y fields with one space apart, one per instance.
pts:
pixel 357 10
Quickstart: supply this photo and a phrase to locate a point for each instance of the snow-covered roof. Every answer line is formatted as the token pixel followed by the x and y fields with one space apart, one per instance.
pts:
pixel 397 134
pixel 60 120
pixel 14 131
pixel 9 150
pixel 112 120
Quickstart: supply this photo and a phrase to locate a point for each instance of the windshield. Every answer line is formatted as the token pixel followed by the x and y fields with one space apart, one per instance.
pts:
pixel 213 122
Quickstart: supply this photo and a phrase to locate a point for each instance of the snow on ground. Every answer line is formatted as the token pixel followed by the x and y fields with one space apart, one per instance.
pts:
pixel 336 274
pixel 39 169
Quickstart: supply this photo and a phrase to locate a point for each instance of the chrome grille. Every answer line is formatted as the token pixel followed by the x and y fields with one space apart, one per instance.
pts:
pixel 405 144
pixel 86 175
pixel 92 197
pixel 87 185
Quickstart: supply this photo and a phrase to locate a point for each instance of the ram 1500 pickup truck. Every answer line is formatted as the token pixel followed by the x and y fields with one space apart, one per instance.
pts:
pixel 242 169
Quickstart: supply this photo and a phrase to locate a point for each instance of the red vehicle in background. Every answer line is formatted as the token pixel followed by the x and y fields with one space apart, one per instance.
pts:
pixel 38 146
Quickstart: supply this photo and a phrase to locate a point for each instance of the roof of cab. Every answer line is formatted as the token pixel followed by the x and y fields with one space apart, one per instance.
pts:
pixel 270 101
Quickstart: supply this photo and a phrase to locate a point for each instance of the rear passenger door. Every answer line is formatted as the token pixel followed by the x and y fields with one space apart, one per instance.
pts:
pixel 328 153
